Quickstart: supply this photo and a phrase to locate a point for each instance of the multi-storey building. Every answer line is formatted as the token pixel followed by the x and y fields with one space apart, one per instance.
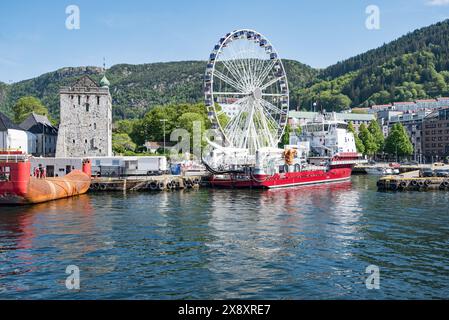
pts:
pixel 436 135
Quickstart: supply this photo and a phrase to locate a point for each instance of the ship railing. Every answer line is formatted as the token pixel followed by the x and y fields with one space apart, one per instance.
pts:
pixel 13 158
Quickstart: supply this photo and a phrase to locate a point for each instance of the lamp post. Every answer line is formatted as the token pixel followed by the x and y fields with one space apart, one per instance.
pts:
pixel 163 121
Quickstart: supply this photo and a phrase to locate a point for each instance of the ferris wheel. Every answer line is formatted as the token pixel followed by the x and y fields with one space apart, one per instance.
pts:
pixel 246 91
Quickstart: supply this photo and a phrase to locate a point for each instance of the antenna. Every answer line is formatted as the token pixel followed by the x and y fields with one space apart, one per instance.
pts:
pixel 104 65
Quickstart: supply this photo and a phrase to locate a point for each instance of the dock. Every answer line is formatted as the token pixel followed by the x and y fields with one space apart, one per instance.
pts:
pixel 411 181
pixel 145 183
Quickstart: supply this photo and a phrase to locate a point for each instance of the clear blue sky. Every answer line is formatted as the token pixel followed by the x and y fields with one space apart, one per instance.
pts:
pixel 34 39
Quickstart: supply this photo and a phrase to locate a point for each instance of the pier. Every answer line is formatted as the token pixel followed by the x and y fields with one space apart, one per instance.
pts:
pixel 412 182
pixel 153 183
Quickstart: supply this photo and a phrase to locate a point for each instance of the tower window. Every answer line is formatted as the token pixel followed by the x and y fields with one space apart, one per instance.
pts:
pixel 85 140
pixel 98 100
pixel 95 126
pixel 87 107
pixel 79 99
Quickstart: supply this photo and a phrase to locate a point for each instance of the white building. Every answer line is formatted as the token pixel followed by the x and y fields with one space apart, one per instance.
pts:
pixel 13 138
pixel 85 127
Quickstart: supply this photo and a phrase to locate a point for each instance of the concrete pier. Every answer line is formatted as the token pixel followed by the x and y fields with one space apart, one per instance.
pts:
pixel 153 183
pixel 412 182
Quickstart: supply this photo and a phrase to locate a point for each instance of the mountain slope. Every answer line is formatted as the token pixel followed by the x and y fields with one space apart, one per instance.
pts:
pixel 414 66
pixel 135 88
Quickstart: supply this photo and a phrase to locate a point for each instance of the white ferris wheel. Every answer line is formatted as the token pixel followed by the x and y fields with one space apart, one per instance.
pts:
pixel 246 91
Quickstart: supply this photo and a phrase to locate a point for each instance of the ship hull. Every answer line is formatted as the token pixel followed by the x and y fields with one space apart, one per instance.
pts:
pixel 42 190
pixel 285 180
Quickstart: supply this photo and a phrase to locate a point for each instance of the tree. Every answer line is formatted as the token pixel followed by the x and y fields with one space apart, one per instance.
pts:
pixel 358 143
pixel 374 129
pixel 368 140
pixel 124 126
pixel 121 143
pixel 398 142
pixel 27 105
pixel 285 140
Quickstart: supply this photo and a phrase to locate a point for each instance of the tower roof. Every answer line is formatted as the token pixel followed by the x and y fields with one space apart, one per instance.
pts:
pixel 104 82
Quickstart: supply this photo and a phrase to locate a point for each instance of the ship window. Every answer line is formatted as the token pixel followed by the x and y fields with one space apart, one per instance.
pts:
pixel 5 174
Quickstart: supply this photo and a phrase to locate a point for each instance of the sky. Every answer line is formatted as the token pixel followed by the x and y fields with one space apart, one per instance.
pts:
pixel 34 38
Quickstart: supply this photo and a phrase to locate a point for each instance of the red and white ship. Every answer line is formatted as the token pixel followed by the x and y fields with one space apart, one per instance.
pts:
pixel 324 153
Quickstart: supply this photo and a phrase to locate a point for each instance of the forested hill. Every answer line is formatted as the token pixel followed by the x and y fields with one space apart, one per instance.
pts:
pixel 415 66
pixel 135 88
pixel 434 38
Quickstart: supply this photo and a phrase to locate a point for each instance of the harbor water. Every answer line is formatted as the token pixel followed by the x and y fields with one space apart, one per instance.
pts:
pixel 300 243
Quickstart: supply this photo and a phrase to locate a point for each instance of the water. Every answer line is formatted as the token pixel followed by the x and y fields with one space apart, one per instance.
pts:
pixel 303 243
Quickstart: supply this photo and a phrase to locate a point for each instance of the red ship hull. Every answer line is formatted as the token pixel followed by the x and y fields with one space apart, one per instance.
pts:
pixel 283 180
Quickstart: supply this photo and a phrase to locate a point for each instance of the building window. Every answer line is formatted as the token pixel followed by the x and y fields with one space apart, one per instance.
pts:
pixel 73 140
pixel 79 99
pixel 98 100
pixel 95 126
pixel 85 140
pixel 87 107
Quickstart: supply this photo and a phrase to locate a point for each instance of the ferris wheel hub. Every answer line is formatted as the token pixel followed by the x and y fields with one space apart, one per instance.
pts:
pixel 257 94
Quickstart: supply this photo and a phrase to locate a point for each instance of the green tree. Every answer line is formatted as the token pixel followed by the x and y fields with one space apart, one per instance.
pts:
pixel 367 139
pixel 121 143
pixel 374 129
pixel 285 140
pixel 124 126
pixel 398 142
pixel 27 105
pixel 358 143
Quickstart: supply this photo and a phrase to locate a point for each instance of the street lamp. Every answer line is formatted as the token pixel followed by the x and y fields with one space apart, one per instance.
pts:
pixel 164 121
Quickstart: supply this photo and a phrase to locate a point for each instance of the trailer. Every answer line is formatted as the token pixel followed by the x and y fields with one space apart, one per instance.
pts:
pixel 128 166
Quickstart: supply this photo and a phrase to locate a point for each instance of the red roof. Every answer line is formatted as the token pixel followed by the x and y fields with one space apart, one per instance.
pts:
pixel 426 100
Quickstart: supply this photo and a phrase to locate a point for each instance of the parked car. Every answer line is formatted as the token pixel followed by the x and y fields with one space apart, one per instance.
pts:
pixel 442 173
pixel 427 172
pixel 438 164
pixel 394 165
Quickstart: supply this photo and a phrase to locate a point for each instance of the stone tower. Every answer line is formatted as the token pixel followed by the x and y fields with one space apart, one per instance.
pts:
pixel 85 128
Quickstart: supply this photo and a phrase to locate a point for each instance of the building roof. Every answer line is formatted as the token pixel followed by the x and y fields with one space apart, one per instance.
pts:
pixel 6 123
pixel 104 82
pixel 340 116
pixel 35 123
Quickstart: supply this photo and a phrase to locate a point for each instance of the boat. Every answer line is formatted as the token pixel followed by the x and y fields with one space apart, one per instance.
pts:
pixel 380 171
pixel 325 152
pixel 20 184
